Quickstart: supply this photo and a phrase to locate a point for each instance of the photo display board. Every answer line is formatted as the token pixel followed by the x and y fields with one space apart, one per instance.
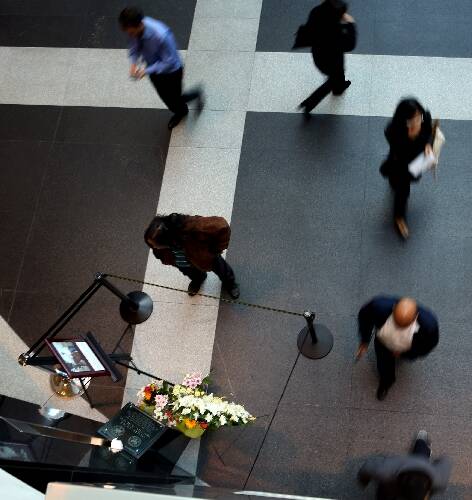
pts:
pixel 77 357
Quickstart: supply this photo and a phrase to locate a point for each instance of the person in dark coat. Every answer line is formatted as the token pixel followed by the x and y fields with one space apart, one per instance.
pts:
pixel 408 134
pixel 402 329
pixel 410 477
pixel 332 32
pixel 194 245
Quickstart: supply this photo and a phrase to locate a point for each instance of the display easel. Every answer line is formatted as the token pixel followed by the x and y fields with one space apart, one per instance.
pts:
pixel 135 308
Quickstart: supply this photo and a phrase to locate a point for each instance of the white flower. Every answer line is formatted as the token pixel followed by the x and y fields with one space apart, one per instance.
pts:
pixel 186 411
pixel 223 420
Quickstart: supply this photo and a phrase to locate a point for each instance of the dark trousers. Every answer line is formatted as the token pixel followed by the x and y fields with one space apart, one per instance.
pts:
pixel 220 267
pixel 335 83
pixel 401 191
pixel 169 88
pixel 385 364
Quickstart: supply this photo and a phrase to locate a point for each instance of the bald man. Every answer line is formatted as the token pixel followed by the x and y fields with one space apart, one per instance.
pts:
pixel 402 329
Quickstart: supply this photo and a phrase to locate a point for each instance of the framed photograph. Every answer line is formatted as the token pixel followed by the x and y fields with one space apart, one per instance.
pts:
pixel 77 357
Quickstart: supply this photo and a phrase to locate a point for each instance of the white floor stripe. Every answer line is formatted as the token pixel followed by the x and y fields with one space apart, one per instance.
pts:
pixel 282 80
pixel 272 81
pixel 200 178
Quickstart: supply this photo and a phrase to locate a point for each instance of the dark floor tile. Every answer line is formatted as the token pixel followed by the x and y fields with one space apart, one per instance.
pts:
pixel 177 15
pixel 437 384
pixel 312 184
pixel 40 31
pixel 326 282
pixel 226 456
pixel 399 10
pixel 326 382
pixel 247 375
pixel 435 38
pixel 107 400
pixel 95 206
pixel 132 127
pixel 280 20
pixel 6 301
pixel 44 8
pixel 322 135
pixel 433 269
pixel 103 32
pixel 28 123
pixel 23 168
pixel 304 452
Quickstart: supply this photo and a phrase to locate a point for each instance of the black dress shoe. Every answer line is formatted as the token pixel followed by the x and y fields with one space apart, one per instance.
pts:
pixel 382 392
pixel 233 291
pixel 306 111
pixel 200 102
pixel 175 120
pixel 194 287
pixel 346 85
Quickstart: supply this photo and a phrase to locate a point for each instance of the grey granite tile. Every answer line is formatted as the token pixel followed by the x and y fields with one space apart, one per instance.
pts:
pixel 304 452
pixel 77 232
pixel 40 31
pixel 115 126
pixel 35 123
pixel 23 167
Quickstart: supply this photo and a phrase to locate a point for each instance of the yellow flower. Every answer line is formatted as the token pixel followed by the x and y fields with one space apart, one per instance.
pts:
pixel 190 424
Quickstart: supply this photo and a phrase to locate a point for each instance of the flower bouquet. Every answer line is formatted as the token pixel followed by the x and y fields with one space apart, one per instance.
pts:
pixel 188 407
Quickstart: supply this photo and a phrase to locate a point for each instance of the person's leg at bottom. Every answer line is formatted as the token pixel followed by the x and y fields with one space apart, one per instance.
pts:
pixel 196 276
pixel 385 368
pixel 401 190
pixel 316 97
pixel 422 447
pixel 339 83
pixel 226 274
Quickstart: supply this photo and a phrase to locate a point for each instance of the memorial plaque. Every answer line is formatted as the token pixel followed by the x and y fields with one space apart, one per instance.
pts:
pixel 134 428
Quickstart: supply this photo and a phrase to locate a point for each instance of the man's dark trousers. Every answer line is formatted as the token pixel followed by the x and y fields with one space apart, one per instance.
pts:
pixel 385 364
pixel 335 83
pixel 169 88
pixel 220 267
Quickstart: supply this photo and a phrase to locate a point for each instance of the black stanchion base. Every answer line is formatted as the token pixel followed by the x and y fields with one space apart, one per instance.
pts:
pixel 136 315
pixel 321 348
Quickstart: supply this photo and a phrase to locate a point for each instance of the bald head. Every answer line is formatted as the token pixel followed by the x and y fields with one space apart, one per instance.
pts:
pixel 405 312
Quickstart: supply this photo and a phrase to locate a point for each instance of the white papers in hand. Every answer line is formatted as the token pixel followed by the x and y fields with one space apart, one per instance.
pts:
pixel 422 163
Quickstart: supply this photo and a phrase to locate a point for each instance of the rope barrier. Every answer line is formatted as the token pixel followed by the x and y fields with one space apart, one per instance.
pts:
pixel 229 301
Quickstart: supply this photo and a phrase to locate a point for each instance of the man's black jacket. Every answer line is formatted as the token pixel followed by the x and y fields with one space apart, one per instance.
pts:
pixel 376 312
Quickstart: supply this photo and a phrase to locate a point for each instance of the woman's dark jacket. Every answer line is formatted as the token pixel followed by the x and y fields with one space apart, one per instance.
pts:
pixel 403 150
pixel 375 313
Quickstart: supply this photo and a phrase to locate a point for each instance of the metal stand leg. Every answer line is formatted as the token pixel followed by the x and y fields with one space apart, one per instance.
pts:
pixel 314 343
pixel 86 393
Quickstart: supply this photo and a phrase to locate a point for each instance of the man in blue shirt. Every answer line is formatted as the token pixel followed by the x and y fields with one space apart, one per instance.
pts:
pixel 153 43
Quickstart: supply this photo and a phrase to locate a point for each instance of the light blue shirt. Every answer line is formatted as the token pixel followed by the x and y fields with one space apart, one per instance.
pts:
pixel 157 47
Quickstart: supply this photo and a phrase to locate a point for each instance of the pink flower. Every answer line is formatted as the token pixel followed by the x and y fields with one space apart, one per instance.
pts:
pixel 161 401
pixel 192 381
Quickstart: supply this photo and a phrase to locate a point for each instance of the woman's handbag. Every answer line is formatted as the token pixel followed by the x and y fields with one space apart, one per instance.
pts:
pixel 303 37
pixel 438 143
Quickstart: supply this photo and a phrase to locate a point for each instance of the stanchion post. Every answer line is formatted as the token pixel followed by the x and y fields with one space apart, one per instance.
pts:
pixel 314 342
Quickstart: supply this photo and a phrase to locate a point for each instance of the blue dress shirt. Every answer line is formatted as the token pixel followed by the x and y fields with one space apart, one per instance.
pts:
pixel 157 47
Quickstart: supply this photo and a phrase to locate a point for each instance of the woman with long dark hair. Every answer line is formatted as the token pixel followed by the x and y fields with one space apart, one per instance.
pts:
pixel 409 134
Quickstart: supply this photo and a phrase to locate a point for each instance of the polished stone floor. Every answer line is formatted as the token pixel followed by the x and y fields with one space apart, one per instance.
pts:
pixel 86 160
